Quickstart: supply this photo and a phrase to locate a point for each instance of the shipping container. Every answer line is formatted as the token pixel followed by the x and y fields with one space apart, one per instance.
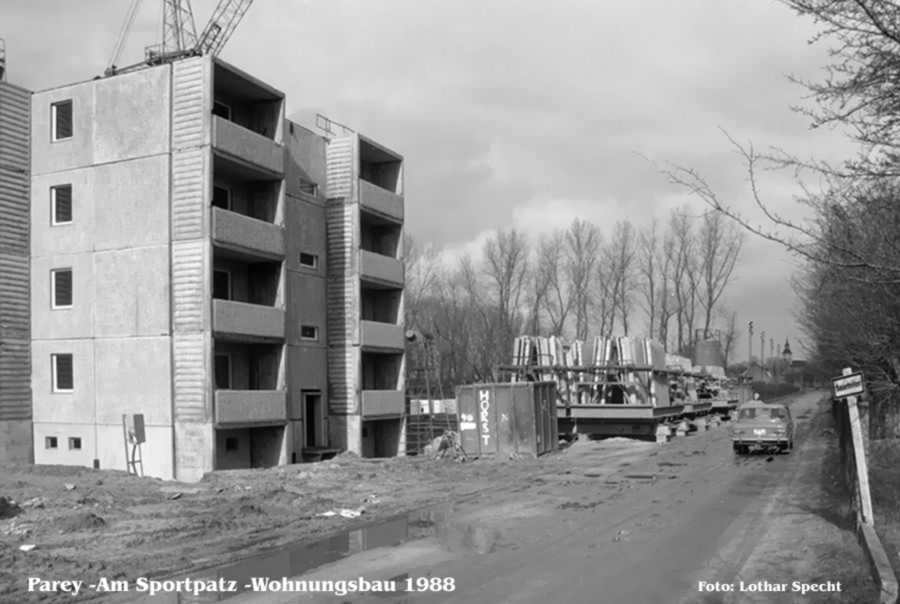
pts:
pixel 507 418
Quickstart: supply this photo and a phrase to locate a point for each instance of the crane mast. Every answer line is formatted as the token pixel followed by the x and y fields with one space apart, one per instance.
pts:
pixel 224 20
pixel 179 33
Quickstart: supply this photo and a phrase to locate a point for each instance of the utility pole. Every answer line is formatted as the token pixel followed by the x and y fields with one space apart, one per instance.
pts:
pixel 750 344
pixel 762 349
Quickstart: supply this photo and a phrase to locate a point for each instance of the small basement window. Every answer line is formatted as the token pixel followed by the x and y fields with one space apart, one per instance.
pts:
pixel 222 285
pixel 63 370
pixel 309 332
pixel 231 443
pixel 61 120
pixel 61 204
pixel 61 288
pixel 309 260
pixel 74 443
pixel 221 198
pixel 50 442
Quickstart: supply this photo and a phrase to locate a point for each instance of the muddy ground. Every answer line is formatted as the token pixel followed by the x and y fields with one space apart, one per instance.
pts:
pixel 90 523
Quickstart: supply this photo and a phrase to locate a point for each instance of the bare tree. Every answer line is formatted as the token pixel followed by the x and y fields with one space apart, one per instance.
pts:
pixel 549 270
pixel 729 335
pixel 583 242
pixel 649 269
pixel 620 257
pixel 683 276
pixel 719 245
pixel 506 270
pixel 666 296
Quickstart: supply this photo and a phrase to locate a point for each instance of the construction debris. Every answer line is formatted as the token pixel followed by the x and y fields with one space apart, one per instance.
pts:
pixel 9 508
pixel 446 445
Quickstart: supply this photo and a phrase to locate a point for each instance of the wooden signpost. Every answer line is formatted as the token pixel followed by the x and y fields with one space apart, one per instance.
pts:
pixel 848 386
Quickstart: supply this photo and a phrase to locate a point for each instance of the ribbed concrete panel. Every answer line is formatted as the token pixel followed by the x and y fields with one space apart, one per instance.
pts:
pixel 190 375
pixel 190 303
pixel 15 379
pixel 15 344
pixel 190 106
pixel 343 272
pixel 189 197
pixel 339 167
pixel 343 363
pixel 15 109
pixel 342 292
pixel 13 211
pixel 14 302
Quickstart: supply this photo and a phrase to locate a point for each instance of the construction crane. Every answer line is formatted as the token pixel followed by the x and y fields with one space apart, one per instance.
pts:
pixel 179 34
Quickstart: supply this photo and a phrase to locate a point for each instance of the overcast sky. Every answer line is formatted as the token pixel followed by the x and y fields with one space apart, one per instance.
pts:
pixel 512 112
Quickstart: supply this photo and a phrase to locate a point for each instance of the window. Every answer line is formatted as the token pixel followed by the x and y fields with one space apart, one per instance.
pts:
pixel 309 332
pixel 50 442
pixel 61 120
pixel 61 204
pixel 61 288
pixel 222 285
pixel 308 187
pixel 63 373
pixel 222 110
pixel 223 371
pixel 74 443
pixel 309 260
pixel 231 443
pixel 222 198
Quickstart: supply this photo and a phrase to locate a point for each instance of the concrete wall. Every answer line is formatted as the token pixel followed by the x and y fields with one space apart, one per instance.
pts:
pixel 15 358
pixel 117 247
pixel 306 302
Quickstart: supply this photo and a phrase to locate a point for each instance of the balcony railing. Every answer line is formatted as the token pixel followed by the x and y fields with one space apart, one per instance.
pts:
pixel 247 146
pixel 250 406
pixel 380 201
pixel 380 269
pixel 247 235
pixel 380 403
pixel 381 336
pixel 247 322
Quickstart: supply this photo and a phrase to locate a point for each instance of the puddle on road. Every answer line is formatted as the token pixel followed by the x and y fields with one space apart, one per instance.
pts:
pixel 299 559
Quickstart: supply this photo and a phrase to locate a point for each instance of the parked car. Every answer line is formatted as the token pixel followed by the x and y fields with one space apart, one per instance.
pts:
pixel 762 425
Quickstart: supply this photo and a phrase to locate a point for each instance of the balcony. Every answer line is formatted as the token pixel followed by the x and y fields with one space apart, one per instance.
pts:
pixel 381 403
pixel 379 269
pixel 247 147
pixel 240 321
pixel 380 201
pixel 381 336
pixel 247 235
pixel 250 407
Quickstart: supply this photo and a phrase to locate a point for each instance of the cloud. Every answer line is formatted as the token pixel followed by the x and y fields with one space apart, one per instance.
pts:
pixel 510 113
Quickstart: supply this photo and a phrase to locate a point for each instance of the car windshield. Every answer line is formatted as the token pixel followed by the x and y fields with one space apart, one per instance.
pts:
pixel 778 413
pixel 763 413
pixel 748 413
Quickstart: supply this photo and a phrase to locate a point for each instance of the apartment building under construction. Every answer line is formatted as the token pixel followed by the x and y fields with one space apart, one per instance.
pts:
pixel 231 276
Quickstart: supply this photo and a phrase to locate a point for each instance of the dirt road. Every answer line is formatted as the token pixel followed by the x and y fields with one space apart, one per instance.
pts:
pixel 633 522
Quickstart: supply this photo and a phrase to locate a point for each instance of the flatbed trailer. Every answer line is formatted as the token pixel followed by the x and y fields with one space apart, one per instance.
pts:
pixel 615 420
pixel 724 408
pixel 583 405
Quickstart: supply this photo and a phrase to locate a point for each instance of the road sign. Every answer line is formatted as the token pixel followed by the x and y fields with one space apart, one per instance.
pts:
pixel 848 385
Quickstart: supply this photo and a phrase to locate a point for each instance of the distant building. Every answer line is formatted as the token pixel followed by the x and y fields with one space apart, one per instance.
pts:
pixel 198 259
pixel 15 359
